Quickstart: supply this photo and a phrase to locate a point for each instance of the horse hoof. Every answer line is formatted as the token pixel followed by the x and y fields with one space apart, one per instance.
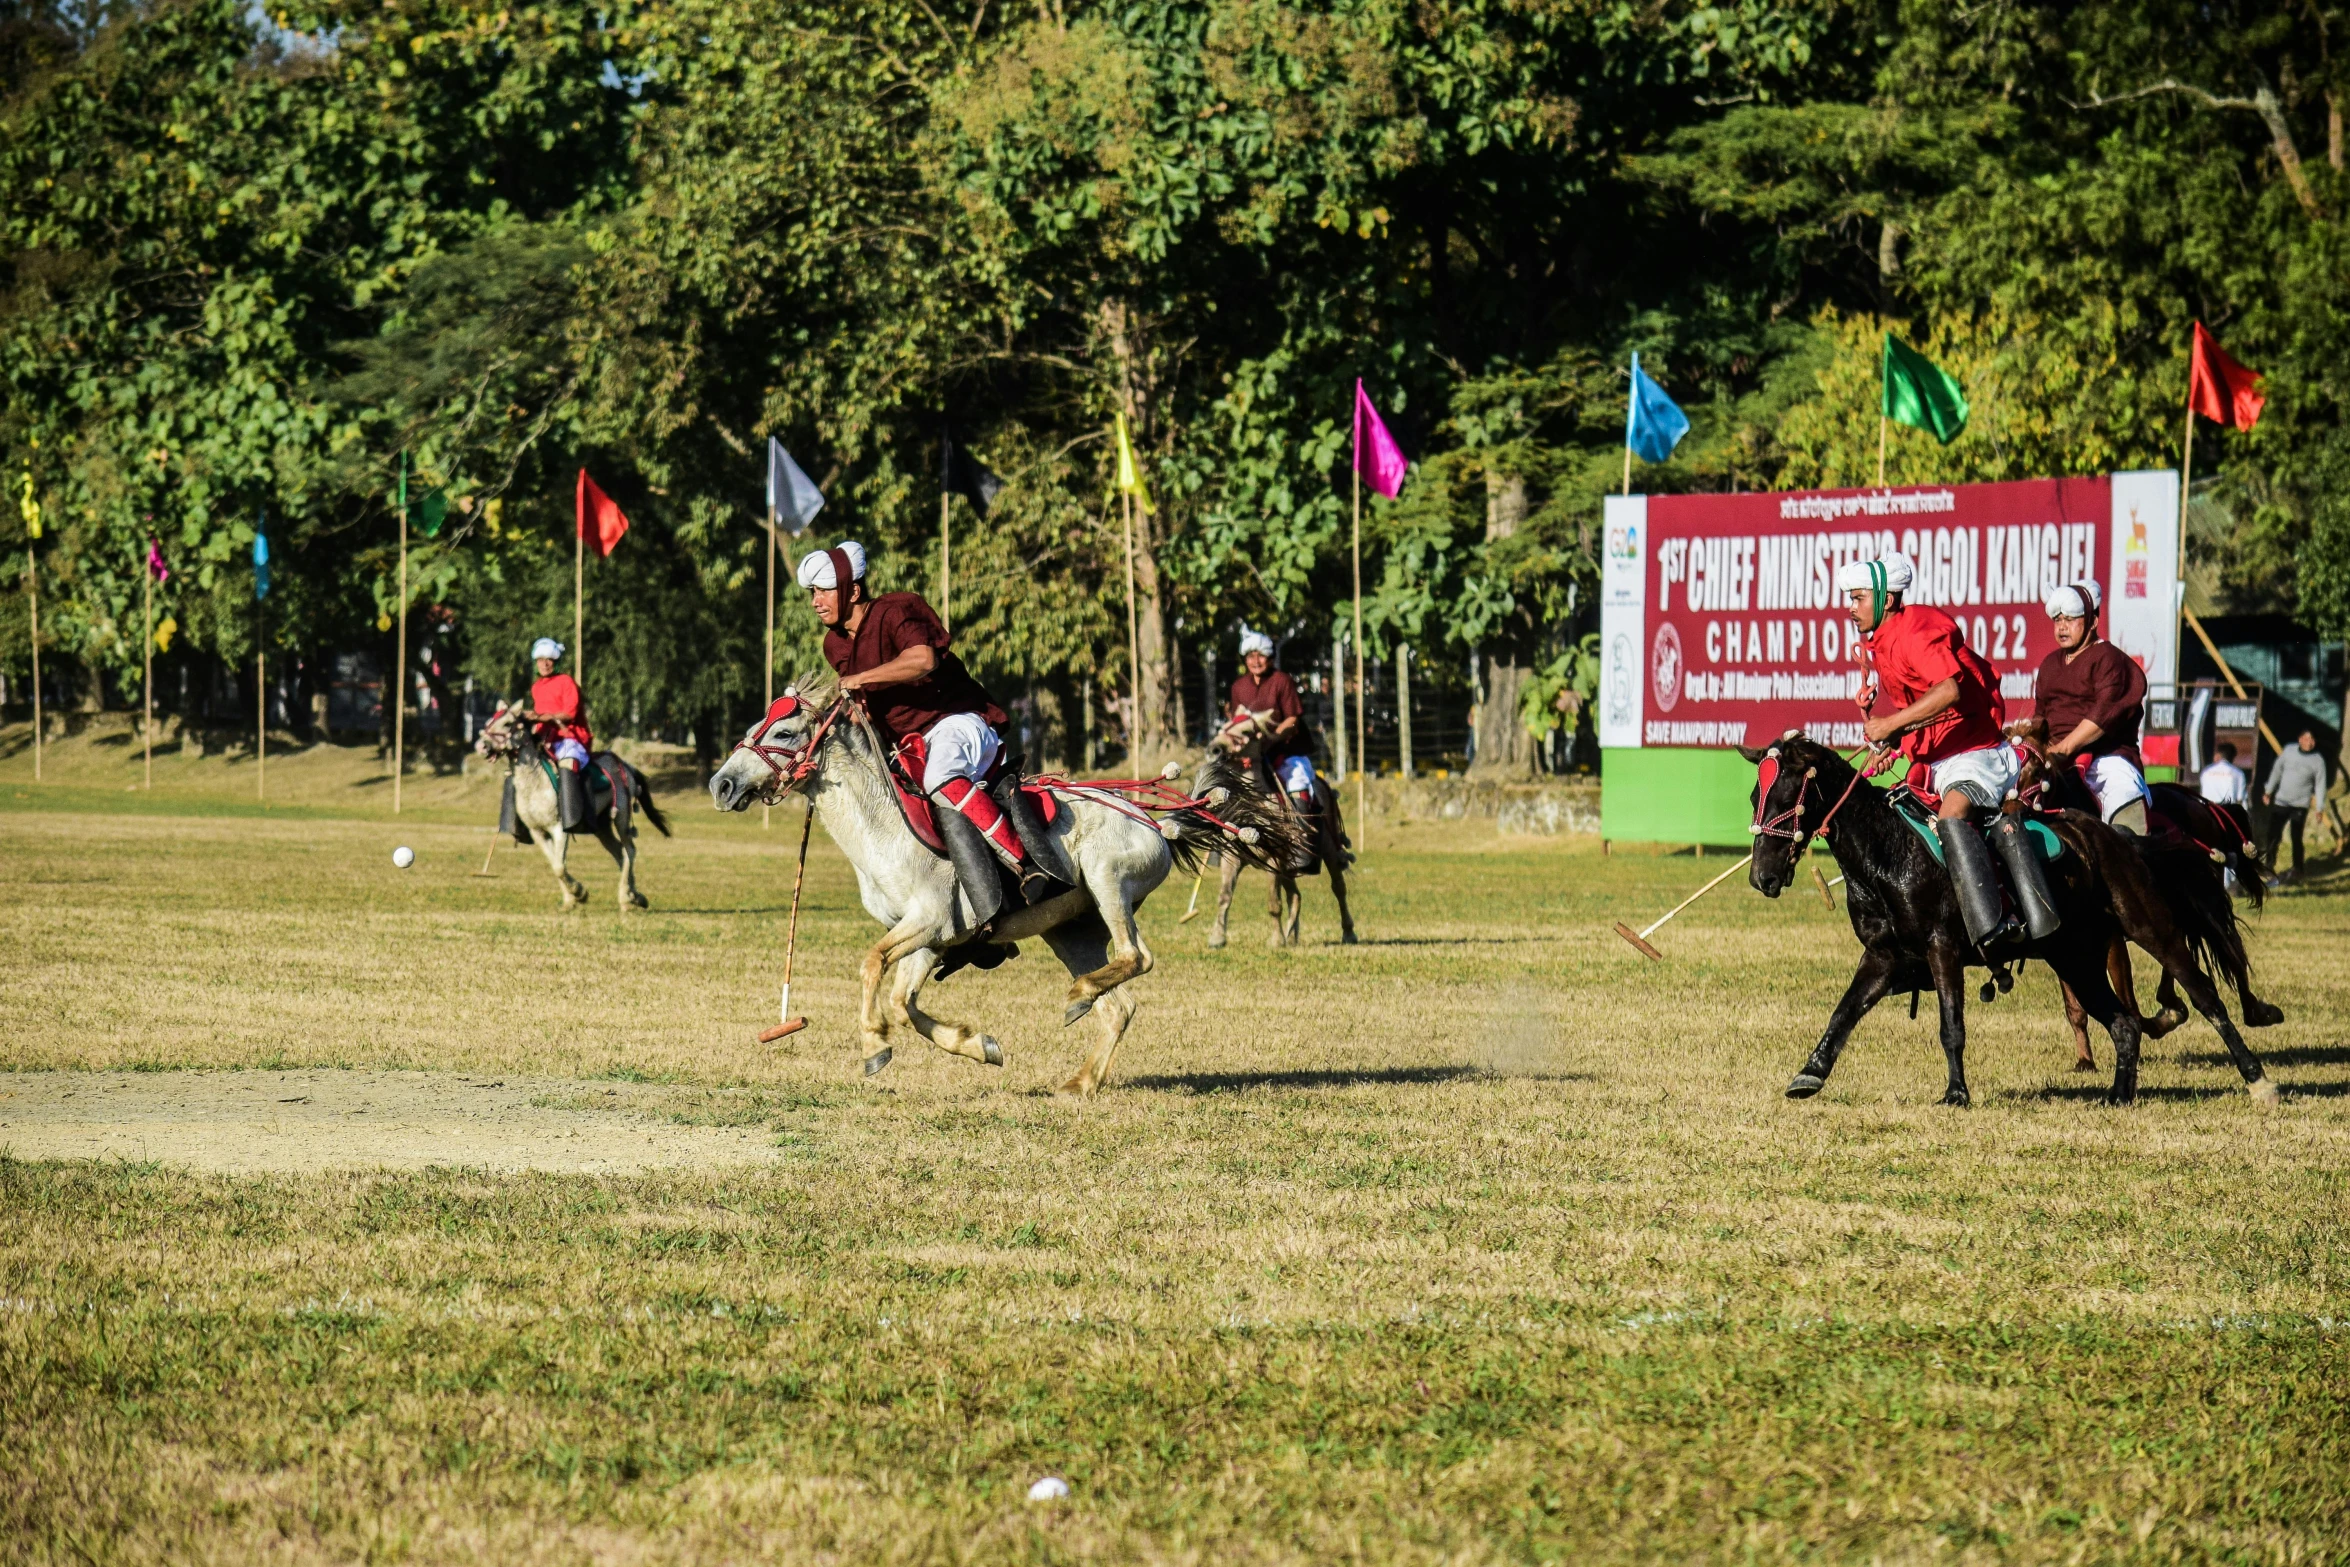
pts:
pixel 2122 1095
pixel 2264 1094
pixel 989 1051
pixel 1959 1099
pixel 1215 943
pixel 2262 1014
pixel 637 900
pixel 1805 1085
pixel 1346 938
pixel 1077 1009
pixel 2084 1066
pixel 879 1059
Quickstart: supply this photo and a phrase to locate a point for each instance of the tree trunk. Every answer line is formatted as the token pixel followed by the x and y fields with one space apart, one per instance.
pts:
pixel 1504 750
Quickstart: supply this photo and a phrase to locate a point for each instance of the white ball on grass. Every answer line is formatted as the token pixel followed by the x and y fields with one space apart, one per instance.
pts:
pixel 403 856
pixel 1052 1488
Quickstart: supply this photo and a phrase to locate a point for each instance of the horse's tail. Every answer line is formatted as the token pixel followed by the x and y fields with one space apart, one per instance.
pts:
pixel 644 797
pixel 1270 835
pixel 2199 900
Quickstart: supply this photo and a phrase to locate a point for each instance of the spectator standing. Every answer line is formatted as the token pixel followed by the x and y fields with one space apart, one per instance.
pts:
pixel 2296 781
pixel 2223 782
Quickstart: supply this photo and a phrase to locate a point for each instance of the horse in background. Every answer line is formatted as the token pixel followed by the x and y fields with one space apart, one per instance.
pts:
pixel 532 813
pixel 1323 834
pixel 2197 851
pixel 1904 908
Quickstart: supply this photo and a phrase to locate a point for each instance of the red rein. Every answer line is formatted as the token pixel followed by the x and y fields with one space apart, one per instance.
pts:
pixel 1767 776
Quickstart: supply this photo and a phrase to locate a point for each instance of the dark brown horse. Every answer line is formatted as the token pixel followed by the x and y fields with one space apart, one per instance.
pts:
pixel 1905 911
pixel 2196 849
pixel 1325 848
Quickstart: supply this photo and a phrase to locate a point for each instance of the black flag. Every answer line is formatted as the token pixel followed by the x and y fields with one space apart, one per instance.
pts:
pixel 962 474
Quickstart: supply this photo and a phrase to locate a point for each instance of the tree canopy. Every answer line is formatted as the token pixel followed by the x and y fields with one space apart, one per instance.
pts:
pixel 250 260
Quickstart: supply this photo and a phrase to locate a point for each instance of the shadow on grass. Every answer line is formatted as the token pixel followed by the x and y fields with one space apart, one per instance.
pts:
pixel 1441 941
pixel 2299 1055
pixel 2092 1092
pixel 1238 1082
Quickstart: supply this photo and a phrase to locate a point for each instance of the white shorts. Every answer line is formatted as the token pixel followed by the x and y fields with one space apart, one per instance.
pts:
pixel 572 751
pixel 1984 775
pixel 960 745
pixel 1297 774
pixel 2115 783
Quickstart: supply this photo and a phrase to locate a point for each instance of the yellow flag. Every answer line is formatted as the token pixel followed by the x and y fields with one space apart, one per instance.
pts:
pixel 1130 472
pixel 31 509
pixel 165 630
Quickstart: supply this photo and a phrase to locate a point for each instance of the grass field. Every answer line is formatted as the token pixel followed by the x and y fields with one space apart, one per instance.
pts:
pixel 1485 1240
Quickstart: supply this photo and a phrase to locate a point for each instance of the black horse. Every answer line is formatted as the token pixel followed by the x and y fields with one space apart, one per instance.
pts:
pixel 1905 911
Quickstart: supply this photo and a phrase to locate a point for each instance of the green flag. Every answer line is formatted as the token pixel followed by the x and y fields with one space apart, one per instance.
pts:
pixel 1921 394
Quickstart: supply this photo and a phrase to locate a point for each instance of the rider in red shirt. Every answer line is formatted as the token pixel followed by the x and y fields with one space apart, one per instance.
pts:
pixel 558 715
pixel 1939 700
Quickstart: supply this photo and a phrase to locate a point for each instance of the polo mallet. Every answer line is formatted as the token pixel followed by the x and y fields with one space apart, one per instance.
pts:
pixel 1821 877
pixel 485 859
pixel 1640 939
pixel 791 940
pixel 1192 911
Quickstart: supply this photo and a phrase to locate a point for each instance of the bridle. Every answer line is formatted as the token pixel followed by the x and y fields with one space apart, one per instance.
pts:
pixel 793 765
pixel 1788 824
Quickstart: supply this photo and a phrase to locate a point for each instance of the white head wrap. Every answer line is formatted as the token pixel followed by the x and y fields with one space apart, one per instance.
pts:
pixel 816 566
pixel 1255 642
pixel 2075 601
pixel 546 647
pixel 1858 576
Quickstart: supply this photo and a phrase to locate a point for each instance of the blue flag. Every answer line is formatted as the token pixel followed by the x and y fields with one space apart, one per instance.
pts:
pixel 260 556
pixel 1655 423
pixel 792 497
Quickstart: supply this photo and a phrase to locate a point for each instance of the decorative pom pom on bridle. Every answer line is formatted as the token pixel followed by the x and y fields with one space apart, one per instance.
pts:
pixel 1171 830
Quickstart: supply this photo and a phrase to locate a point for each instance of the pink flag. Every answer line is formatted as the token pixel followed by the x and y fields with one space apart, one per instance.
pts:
pixel 1377 458
pixel 155 567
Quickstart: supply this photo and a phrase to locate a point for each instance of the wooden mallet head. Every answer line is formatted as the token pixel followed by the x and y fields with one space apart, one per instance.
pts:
pixel 790 1025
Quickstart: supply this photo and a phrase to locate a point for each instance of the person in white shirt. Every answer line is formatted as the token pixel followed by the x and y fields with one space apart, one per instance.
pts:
pixel 2223 782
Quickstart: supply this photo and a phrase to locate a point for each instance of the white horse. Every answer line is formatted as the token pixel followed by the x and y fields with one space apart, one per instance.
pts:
pixel 819 743
pixel 507 737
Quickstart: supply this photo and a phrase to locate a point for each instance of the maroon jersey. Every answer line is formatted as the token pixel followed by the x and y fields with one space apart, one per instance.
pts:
pixel 1277 695
pixel 893 623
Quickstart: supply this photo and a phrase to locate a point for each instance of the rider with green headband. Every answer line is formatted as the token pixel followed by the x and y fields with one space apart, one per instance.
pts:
pixel 1937 700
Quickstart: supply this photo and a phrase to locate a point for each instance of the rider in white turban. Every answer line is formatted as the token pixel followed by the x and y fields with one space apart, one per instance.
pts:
pixel 819 569
pixel 2094 698
pixel 1265 693
pixel 1939 700
pixel 1254 642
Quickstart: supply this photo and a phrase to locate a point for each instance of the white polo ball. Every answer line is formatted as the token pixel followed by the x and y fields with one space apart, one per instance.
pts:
pixel 1052 1488
pixel 403 856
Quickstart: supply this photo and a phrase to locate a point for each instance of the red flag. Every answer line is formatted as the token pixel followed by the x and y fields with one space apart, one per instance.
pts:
pixel 600 521
pixel 2220 389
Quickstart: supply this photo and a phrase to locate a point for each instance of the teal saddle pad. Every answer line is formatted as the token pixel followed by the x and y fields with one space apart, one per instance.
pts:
pixel 1913 811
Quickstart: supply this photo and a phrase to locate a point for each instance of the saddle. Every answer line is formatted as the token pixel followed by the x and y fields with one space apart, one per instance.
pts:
pixel 905 781
pixel 609 796
pixel 1919 810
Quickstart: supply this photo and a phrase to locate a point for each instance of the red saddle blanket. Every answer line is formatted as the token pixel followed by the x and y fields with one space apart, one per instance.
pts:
pixel 905 781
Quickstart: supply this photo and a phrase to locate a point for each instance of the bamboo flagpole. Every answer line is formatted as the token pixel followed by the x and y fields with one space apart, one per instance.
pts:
pixel 1133 628
pixel 579 603
pixel 30 509
pixel 946 559
pixel 766 811
pixel 1362 757
pixel 261 655
pixel 397 685
pixel 147 665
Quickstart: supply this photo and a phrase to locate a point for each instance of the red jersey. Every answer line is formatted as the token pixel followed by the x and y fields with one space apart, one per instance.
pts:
pixel 557 696
pixel 893 623
pixel 1915 649
pixel 1274 694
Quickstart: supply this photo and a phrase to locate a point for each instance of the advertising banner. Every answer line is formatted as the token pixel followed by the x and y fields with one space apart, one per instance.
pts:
pixel 1720 624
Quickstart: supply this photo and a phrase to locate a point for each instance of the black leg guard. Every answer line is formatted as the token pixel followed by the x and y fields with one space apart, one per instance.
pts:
pixel 508 822
pixel 974 862
pixel 1045 853
pixel 2025 874
pixel 571 789
pixel 1969 859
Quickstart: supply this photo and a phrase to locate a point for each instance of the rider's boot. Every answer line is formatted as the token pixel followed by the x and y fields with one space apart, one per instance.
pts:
pixel 1046 872
pixel 2026 875
pixel 509 823
pixel 967 814
pixel 572 802
pixel 1988 924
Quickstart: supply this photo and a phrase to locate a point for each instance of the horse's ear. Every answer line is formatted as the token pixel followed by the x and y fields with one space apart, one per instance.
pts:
pixel 1754 753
